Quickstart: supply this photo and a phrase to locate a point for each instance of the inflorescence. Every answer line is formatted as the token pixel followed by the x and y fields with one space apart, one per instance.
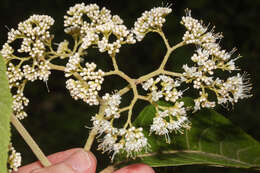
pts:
pixel 33 61
pixel 14 159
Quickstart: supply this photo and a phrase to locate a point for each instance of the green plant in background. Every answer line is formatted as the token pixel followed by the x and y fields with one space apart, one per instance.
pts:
pixel 187 134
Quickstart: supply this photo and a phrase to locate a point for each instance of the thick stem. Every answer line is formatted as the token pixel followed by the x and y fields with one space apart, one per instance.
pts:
pixel 90 140
pixel 114 63
pixel 109 169
pixel 169 51
pixel 29 140
pixel 93 132
pixel 164 39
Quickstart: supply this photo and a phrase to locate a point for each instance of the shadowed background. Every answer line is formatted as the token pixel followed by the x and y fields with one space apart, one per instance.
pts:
pixel 57 122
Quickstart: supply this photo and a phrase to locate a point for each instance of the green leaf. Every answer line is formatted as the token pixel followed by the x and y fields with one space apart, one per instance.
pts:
pixel 212 140
pixel 5 114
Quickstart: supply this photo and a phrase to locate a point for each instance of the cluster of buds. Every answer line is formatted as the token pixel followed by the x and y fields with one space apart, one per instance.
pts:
pixel 14 159
pixel 87 88
pixel 112 105
pixel 98 29
pixel 28 62
pixel 166 89
pixel 150 21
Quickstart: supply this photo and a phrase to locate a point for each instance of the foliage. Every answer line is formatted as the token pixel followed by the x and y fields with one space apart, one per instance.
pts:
pixel 5 114
pixel 213 140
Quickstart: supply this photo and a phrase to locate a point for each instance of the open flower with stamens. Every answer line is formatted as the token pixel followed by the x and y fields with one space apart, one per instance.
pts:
pixel 130 141
pixel 234 88
pixel 169 119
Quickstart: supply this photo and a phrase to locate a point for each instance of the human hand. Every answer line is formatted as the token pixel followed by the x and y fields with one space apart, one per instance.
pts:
pixel 77 161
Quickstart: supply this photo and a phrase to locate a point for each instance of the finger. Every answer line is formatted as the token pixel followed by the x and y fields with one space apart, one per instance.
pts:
pixel 140 168
pixel 79 162
pixel 54 159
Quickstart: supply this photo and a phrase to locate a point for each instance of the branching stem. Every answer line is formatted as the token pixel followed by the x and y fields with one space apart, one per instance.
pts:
pixel 132 84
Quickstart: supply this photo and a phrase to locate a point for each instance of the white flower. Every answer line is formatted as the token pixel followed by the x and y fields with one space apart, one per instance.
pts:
pixel 131 141
pixel 112 102
pixel 148 84
pixel 107 143
pixel 14 74
pixel 169 119
pixel 203 102
pixel 72 65
pixel 150 21
pixel 167 88
pixel 19 102
pixel 98 30
pixel 7 51
pixel 195 29
pixel 135 141
pixel 86 89
pixel 156 95
pixel 235 88
pixel 159 126
pixel 14 159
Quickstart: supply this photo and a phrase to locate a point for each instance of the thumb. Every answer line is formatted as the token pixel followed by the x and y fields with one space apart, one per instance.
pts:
pixel 78 162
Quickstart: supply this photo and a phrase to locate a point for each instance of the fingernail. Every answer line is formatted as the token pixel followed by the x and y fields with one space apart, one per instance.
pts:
pixel 81 161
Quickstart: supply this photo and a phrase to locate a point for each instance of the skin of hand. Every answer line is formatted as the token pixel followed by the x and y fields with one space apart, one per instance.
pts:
pixel 77 161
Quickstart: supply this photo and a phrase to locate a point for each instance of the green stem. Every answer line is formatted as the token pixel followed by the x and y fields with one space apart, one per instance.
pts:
pixel 93 132
pixel 29 140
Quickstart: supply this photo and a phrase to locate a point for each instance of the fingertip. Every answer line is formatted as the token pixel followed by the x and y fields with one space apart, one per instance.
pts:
pixel 82 162
pixel 136 168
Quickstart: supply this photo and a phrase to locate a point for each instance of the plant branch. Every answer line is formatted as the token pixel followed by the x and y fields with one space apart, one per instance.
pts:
pixel 30 142
pixel 109 169
pixel 93 132
pixel 161 33
pixel 114 63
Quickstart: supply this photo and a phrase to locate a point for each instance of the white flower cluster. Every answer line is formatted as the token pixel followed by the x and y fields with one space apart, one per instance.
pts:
pixel 39 70
pixel 169 119
pixel 112 105
pixel 234 88
pixel 130 141
pixel 167 88
pixel 14 74
pixel 150 21
pixel 203 102
pixel 208 58
pixel 34 35
pixel 87 88
pixel 117 140
pixel 17 79
pixel 19 102
pixel 98 28
pixel 14 159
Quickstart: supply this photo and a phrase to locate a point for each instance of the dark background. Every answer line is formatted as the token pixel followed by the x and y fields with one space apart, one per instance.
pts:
pixel 57 122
